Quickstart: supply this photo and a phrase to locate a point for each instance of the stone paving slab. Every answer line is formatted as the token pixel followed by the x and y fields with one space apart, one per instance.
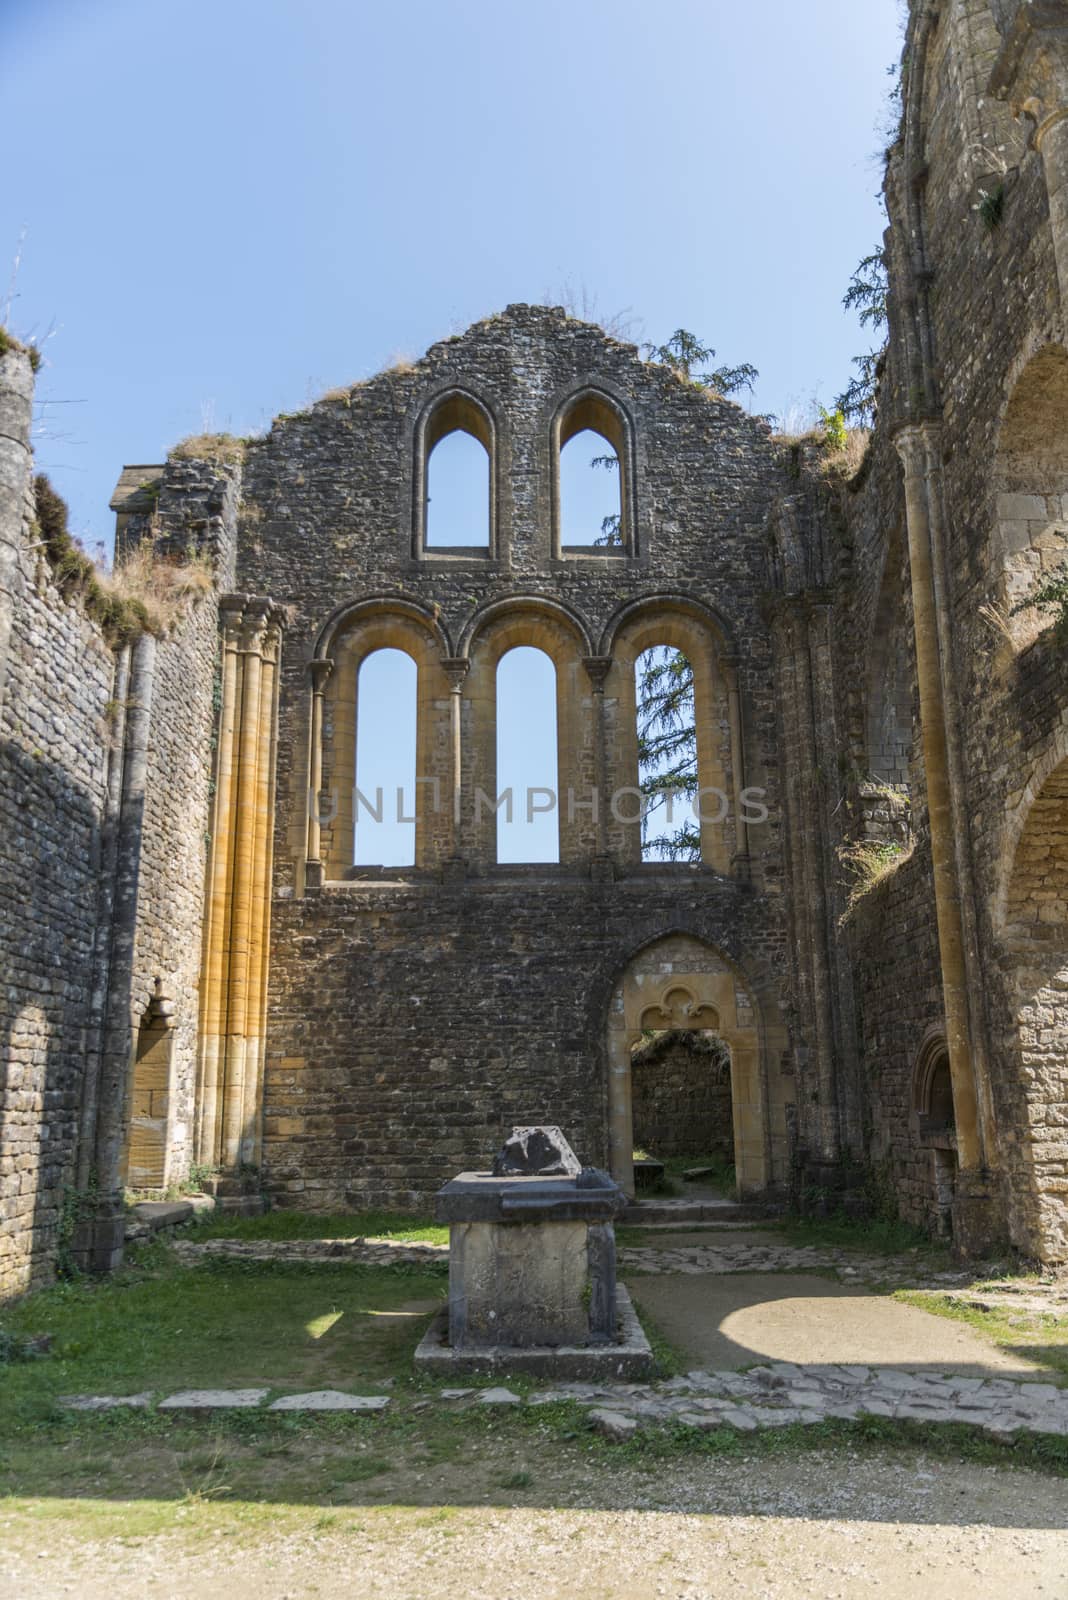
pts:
pixel 330 1400
pixel 775 1395
pixel 768 1396
pixel 214 1400
pixel 105 1402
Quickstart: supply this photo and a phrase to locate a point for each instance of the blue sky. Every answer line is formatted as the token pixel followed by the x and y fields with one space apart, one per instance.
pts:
pixel 230 206
pixel 226 207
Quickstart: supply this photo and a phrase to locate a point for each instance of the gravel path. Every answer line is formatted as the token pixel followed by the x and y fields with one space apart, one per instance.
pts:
pixel 812 1527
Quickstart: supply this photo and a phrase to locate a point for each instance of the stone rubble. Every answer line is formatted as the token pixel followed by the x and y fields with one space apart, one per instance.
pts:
pixel 360 1251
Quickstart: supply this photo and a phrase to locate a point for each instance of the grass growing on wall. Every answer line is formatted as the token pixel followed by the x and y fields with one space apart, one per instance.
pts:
pixel 146 594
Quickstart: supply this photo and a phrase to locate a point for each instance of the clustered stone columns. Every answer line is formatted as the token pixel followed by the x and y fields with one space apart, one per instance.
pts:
pixel 919 446
pixel 456 669
pixel 741 865
pixel 319 671
pixel 597 669
pixel 234 989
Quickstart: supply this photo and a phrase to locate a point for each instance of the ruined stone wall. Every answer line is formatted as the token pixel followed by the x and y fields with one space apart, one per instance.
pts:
pixel 56 715
pixel 898 984
pixel 411 1020
pixel 993 306
pixel 197 507
pixel 411 1028
pixel 67 999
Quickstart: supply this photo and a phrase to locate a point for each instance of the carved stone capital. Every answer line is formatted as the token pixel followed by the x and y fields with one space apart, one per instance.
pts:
pixel 319 671
pixel 597 669
pixel 919 445
pixel 455 669
pixel 252 623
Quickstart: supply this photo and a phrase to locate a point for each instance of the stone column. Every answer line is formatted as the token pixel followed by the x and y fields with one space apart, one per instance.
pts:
pixel 741 864
pixel 16 471
pixel 1031 74
pixel 821 1127
pixel 319 672
pixel 597 669
pixel 99 1234
pixel 456 669
pixel 917 449
pixel 233 1007
pixel 109 844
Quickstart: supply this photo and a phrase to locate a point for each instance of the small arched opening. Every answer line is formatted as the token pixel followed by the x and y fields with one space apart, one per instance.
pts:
pixel 591 478
pixel 680 985
pixel 146 1148
pixel 457 449
pixel 936 1126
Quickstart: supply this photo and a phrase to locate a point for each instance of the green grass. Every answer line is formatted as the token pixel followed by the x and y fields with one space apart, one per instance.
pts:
pixel 872 1236
pixel 223 1324
pixel 331 1225
pixel 1037 1336
pixel 133 1476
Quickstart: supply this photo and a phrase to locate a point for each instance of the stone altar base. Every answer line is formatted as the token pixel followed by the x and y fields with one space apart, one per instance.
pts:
pixel 629 1358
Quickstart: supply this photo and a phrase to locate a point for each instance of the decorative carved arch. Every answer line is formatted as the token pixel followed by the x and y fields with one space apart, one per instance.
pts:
pixel 530 605
pixel 665 602
pixel 691 980
pixel 930 1075
pixel 351 633
pixel 351 613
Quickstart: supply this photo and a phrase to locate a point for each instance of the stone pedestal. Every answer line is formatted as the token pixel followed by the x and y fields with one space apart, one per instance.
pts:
pixel 532 1268
pixel 518 1284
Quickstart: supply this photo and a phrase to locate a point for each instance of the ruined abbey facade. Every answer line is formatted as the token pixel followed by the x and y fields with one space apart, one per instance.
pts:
pixel 196 974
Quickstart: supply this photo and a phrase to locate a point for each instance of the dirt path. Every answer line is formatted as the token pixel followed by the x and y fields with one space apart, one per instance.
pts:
pixel 734 1320
pixel 801 1528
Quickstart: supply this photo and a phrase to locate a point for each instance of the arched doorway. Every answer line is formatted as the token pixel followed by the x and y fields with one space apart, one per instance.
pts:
pixel 681 984
pixel 681 1094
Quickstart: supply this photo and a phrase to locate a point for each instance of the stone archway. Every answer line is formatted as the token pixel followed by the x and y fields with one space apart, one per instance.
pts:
pixel 680 982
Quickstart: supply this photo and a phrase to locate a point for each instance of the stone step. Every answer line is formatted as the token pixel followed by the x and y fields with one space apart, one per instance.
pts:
pixel 683 1211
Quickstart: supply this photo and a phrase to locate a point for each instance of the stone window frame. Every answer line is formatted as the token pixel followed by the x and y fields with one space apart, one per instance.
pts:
pixel 454 409
pixel 353 632
pixel 931 1058
pixel 593 405
pixel 683 623
pixel 542 623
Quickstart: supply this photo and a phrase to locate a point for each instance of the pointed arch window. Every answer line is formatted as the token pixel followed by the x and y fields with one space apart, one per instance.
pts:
pixel 592 479
pixel 455 513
